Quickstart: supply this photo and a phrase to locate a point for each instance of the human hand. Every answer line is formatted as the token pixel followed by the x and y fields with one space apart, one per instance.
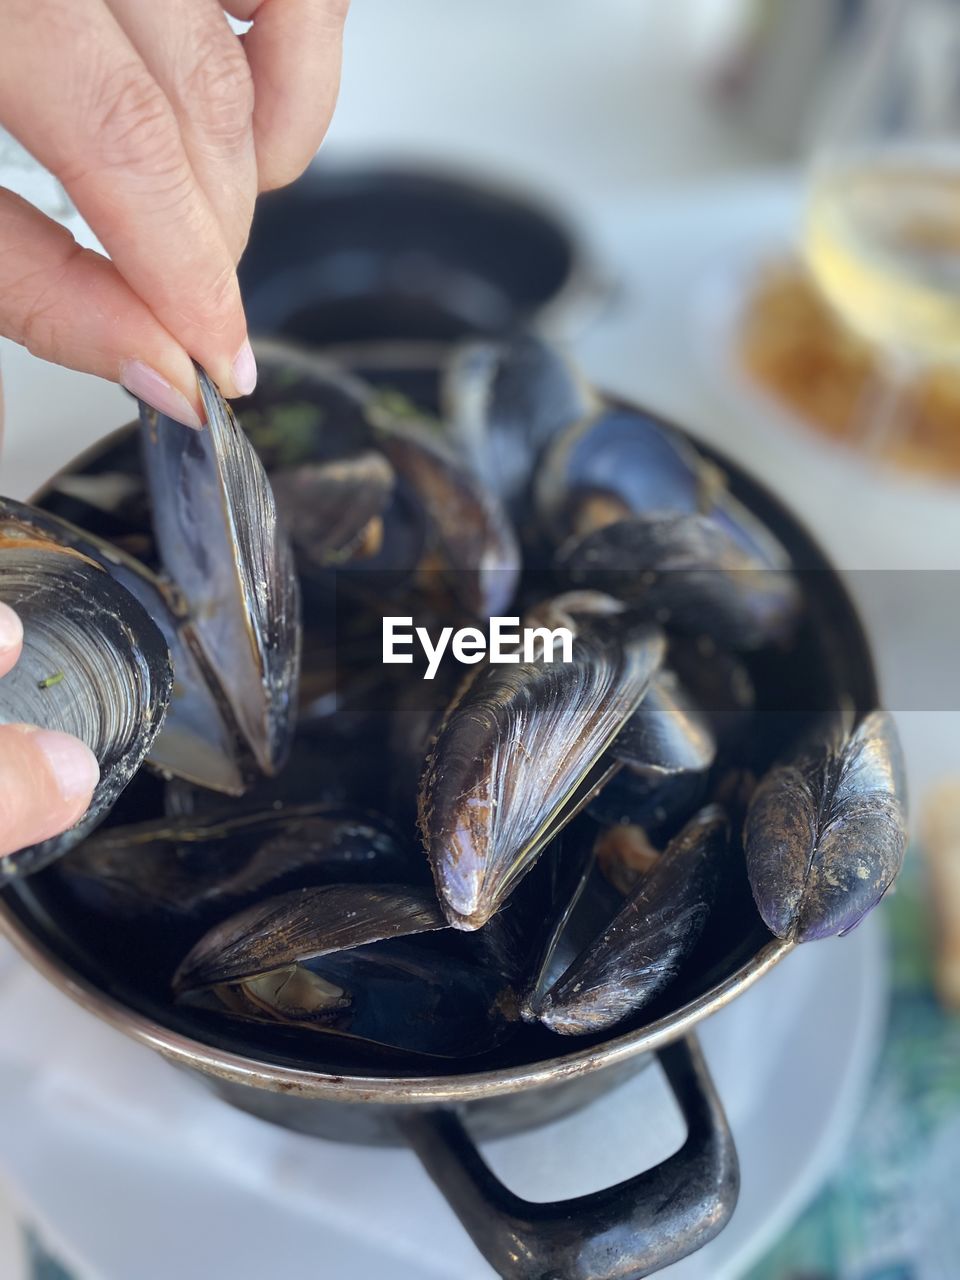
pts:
pixel 162 126
pixel 46 778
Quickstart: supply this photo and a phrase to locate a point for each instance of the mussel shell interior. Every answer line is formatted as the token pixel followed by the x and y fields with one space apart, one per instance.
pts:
pixel 93 665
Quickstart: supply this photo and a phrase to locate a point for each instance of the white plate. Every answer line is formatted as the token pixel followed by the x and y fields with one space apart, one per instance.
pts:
pixel 130 1167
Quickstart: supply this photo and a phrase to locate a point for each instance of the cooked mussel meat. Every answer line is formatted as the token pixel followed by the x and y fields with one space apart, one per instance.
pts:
pixel 333 511
pixel 625 854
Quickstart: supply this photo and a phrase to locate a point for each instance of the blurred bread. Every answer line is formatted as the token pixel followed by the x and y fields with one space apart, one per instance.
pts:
pixel 941 844
pixel 796 348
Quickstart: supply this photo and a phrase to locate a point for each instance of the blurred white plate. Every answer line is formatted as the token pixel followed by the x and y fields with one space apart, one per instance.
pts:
pixel 131 1168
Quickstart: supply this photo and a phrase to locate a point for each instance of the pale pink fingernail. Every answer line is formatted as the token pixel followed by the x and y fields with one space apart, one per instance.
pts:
pixel 11 629
pixel 147 385
pixel 245 370
pixel 72 763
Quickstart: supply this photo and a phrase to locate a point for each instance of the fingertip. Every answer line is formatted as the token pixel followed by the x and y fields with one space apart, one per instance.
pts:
pixel 11 632
pixel 71 764
pixel 244 370
pixel 153 389
pixel 47 781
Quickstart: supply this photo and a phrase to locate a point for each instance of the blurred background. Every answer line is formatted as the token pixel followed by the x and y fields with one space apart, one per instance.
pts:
pixel 757 208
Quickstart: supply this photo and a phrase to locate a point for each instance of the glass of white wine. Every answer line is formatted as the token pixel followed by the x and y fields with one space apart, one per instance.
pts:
pixel 882 232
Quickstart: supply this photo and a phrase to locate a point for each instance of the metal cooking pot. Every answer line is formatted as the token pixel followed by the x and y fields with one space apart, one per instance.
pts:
pixel 354 254
pixel 628 1230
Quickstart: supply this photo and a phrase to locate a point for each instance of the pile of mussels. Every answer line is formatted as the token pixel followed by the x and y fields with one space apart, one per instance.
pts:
pixel 326 853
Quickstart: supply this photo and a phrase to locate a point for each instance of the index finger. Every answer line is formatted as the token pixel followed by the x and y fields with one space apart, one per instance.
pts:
pixel 112 138
pixel 294 49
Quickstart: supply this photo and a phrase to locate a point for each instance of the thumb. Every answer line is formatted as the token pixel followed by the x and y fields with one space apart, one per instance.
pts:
pixel 46 783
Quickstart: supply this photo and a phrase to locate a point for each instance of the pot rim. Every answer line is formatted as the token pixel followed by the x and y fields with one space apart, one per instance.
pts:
pixel 244 1069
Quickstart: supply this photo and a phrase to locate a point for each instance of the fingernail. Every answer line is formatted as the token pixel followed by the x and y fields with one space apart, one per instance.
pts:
pixel 147 385
pixel 11 629
pixel 72 763
pixel 245 370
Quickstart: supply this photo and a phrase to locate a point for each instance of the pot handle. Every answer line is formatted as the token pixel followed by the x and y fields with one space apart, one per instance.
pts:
pixel 620 1233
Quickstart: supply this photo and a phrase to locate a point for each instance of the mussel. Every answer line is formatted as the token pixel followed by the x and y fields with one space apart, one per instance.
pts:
pixel 519 752
pixel 199 737
pixel 183 867
pixel 667 733
pixel 334 511
pixel 216 526
pixel 687 573
pixel 93 664
pixel 825 833
pixel 640 951
pixel 505 402
pixel 623 463
pixel 416 514
pixel 340 960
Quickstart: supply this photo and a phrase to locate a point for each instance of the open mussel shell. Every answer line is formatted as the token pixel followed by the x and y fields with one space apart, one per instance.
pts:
pixel 304 408
pixel 344 960
pixel 638 953
pixel 333 511
pixel 505 401
pixel 93 665
pixel 198 740
pixel 405 373
pixel 479 558
pixel 584 902
pixel 623 462
pixel 518 754
pixel 719 684
pixel 183 867
pixel 394 996
pixel 667 733
pixel 216 526
pixel 304 924
pixel 307 415
pixel 825 832
pixel 689 575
